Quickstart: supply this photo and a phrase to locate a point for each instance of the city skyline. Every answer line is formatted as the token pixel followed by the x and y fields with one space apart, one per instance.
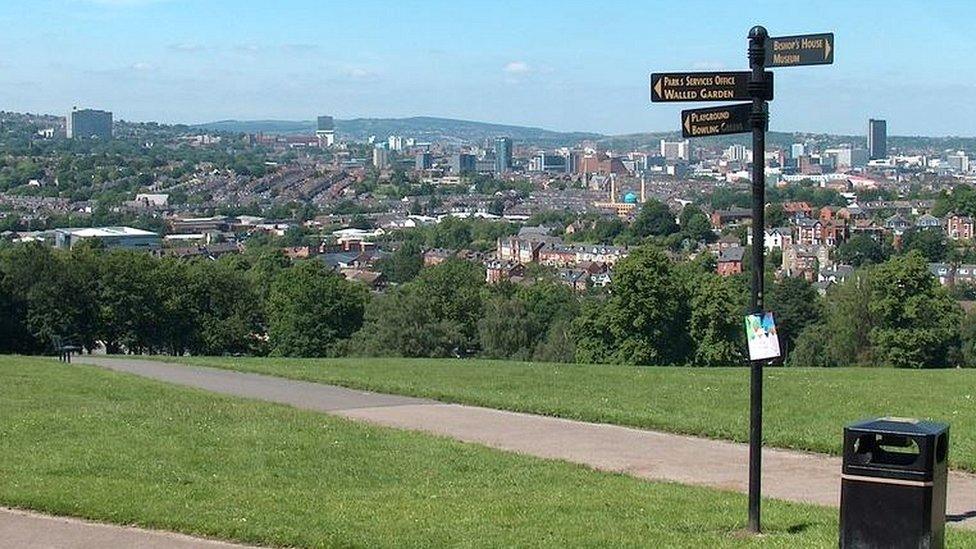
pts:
pixel 510 65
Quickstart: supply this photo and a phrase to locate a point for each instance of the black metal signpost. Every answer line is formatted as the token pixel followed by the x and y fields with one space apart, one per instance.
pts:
pixel 755 85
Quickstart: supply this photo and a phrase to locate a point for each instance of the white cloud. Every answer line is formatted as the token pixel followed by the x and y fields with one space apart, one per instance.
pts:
pixel 186 47
pixel 517 67
pixel 141 66
pixel 247 48
pixel 707 65
pixel 359 73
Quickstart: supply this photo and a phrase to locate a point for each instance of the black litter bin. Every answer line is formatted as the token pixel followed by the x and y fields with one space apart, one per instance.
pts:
pixel 893 487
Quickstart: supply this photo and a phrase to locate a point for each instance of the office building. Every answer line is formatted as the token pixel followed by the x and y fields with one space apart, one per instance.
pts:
pixel 395 142
pixel 463 163
pixel 89 124
pixel 845 158
pixel 877 139
pixel 676 150
pixel 110 237
pixel 325 131
pixel 423 161
pixel 549 162
pixel 503 154
pixel 797 150
pixel 485 165
pixel 381 158
pixel 738 153
pixel 958 162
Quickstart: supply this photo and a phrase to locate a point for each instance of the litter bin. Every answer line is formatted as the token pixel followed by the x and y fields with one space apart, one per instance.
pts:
pixel 893 486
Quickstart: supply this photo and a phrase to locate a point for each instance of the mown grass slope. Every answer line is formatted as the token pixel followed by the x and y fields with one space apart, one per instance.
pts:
pixel 78 440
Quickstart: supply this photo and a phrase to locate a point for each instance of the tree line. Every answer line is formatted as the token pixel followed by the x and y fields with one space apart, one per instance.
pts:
pixel 657 312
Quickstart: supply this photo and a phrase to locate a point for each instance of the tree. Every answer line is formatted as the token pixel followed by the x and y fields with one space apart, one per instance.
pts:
pixel 860 250
pixel 505 330
pixel 968 337
pixel 435 315
pixel 811 348
pixel 931 243
pixel 131 310
pixel 399 323
pixel 842 337
pixel 776 216
pixel 645 319
pixel 795 305
pixel 917 322
pixel 961 200
pixel 717 307
pixel 452 291
pixel 294 236
pixel 28 275
pixel 594 342
pixel 654 219
pixel 695 225
pixel 517 321
pixel 405 263
pixel 311 310
pixel 228 308
pixel 180 311
pixel 451 233
pixel 559 345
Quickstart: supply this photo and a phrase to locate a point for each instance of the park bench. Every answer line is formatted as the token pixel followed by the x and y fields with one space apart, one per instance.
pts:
pixel 64 349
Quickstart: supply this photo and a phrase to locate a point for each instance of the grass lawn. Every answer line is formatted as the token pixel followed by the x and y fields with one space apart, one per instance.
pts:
pixel 804 408
pixel 78 440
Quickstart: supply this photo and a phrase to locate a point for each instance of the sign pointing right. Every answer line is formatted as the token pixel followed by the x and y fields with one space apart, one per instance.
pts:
pixel 805 49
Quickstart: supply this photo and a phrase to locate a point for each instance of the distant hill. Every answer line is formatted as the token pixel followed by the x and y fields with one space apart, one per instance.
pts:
pixel 423 128
pixel 258 126
pixel 426 128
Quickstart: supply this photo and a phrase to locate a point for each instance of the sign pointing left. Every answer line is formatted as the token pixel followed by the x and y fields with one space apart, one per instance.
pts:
pixel 716 120
pixel 705 86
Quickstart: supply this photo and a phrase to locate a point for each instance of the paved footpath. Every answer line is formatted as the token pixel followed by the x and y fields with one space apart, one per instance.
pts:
pixel 787 475
pixel 26 530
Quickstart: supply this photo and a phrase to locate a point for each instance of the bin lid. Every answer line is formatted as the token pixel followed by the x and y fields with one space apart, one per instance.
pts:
pixel 899 426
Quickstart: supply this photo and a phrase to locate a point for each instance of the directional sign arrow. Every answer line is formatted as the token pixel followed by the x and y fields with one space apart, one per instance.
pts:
pixel 805 49
pixel 705 86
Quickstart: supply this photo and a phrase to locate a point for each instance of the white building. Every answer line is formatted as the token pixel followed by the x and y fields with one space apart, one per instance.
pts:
pixel 738 153
pixel 326 138
pixel 676 150
pixel 160 200
pixel 381 158
pixel 958 162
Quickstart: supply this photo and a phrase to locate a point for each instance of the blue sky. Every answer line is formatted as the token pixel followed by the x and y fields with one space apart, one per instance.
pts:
pixel 564 65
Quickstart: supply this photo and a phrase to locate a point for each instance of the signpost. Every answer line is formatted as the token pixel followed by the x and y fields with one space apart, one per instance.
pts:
pixel 805 49
pixel 756 86
pixel 716 120
pixel 703 86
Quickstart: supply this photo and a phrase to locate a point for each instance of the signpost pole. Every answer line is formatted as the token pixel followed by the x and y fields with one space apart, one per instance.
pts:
pixel 759 120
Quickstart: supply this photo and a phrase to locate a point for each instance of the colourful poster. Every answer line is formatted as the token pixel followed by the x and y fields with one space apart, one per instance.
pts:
pixel 761 333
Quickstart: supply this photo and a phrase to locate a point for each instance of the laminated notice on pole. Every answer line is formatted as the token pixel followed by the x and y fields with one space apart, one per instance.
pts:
pixel 762 337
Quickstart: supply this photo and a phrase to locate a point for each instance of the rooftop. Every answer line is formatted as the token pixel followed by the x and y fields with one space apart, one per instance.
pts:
pixel 102 232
